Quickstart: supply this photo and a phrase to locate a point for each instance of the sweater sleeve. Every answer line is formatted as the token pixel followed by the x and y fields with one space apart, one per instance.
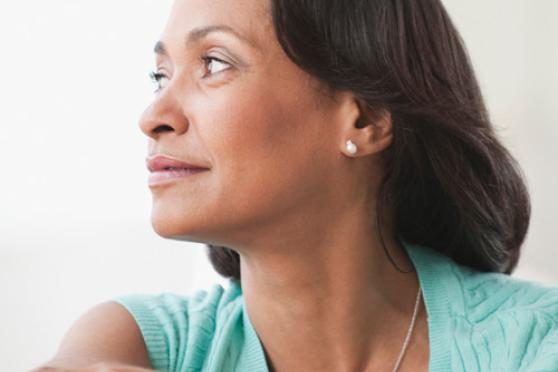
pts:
pixel 177 329
pixel 163 322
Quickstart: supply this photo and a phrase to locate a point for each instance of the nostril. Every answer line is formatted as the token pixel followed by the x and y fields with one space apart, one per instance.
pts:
pixel 162 128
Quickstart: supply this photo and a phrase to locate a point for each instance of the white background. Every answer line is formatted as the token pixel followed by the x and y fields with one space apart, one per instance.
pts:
pixel 74 205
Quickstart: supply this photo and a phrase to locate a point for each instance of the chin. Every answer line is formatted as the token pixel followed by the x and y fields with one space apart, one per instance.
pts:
pixel 177 225
pixel 169 225
pixel 164 230
pixel 176 233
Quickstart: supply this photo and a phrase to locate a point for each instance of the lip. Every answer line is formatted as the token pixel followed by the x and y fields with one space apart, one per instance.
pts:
pixel 165 169
pixel 160 162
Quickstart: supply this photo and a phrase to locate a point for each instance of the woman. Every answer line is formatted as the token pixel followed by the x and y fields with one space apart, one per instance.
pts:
pixel 338 160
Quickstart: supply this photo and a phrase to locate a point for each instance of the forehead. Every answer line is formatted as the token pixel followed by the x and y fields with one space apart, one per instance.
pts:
pixel 249 18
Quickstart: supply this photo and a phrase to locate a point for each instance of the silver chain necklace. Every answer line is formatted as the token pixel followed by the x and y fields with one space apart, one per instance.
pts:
pixel 407 338
pixel 409 332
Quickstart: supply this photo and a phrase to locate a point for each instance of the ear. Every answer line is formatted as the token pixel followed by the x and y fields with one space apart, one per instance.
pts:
pixel 370 130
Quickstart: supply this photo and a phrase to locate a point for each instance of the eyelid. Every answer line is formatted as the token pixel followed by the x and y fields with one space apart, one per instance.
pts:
pixel 207 58
pixel 156 76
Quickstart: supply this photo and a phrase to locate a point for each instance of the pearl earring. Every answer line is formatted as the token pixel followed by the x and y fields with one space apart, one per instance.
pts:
pixel 351 147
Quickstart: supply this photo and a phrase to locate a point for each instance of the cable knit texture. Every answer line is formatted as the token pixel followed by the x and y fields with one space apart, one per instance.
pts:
pixel 477 322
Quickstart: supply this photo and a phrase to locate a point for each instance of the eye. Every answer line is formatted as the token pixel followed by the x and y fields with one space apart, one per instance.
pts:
pixel 157 77
pixel 215 65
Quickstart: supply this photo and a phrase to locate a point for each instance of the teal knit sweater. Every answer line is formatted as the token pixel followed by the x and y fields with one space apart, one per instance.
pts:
pixel 477 322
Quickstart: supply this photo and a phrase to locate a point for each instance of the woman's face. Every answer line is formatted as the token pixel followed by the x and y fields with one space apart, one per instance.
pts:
pixel 255 119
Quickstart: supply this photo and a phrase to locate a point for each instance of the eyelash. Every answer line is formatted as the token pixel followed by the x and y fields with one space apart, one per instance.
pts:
pixel 157 76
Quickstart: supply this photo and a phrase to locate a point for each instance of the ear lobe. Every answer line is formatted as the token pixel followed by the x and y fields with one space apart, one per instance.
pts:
pixel 366 127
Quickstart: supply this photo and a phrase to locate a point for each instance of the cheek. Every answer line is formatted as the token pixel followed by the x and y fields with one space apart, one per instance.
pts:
pixel 268 151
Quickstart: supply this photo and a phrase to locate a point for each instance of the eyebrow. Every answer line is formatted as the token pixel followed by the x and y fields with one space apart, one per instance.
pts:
pixel 199 33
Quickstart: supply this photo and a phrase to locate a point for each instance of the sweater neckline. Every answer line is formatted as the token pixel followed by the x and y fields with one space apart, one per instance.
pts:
pixel 432 269
pixel 434 274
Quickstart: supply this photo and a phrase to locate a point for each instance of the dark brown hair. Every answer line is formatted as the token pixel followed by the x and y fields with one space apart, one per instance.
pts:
pixel 451 183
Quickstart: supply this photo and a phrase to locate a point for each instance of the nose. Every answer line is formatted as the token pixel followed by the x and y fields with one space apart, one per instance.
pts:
pixel 163 115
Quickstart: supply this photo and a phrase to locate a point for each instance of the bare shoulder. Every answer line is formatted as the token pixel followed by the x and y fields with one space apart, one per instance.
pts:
pixel 107 332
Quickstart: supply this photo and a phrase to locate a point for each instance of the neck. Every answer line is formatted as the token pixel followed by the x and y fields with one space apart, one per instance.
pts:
pixel 325 299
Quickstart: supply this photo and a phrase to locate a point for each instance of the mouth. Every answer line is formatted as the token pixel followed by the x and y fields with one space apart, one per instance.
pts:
pixel 161 162
pixel 164 169
pixel 166 176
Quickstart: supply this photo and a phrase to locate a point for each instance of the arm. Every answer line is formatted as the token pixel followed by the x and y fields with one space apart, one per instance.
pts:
pixel 105 338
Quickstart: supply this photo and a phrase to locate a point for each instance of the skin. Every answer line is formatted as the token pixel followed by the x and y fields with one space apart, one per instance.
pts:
pixel 282 191
pixel 104 338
